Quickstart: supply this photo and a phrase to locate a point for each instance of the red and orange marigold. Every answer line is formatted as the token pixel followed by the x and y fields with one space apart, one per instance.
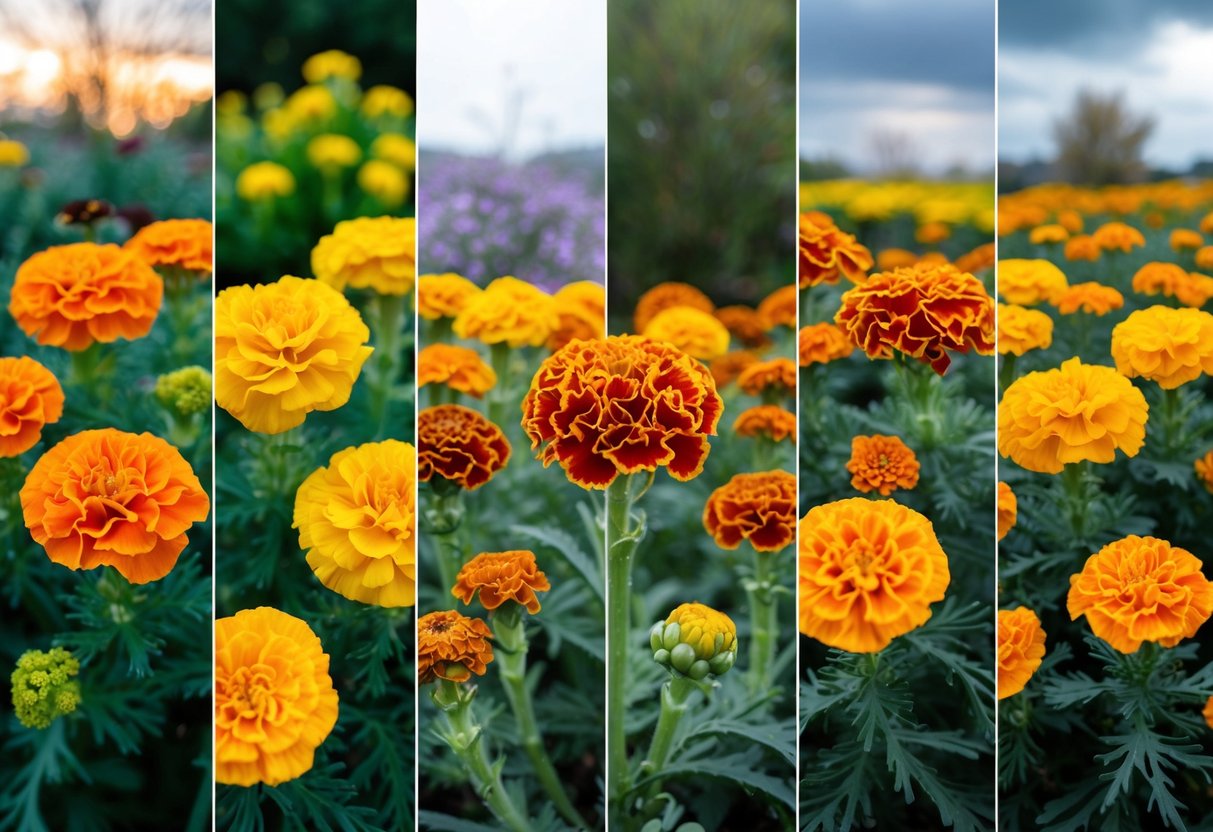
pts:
pixel 882 463
pixel 826 253
pixel 459 445
pixel 1021 648
pixel 500 577
pixel 760 508
pixel 30 399
pixel 452 646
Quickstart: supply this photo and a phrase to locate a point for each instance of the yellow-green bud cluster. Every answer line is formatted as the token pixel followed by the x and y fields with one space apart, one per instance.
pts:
pixel 43 686
pixel 186 391
pixel 695 640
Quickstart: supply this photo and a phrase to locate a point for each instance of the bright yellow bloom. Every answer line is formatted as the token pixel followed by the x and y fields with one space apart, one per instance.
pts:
pixel 1185 239
pixel 1046 234
pixel 332 63
pixel 582 309
pixel 1021 329
pixel 330 151
pixel 382 100
pixel 509 311
pixel 1168 346
pixel 396 148
pixel 1029 282
pixel 13 154
pixel 443 295
pixel 369 253
pixel 384 181
pixel 264 180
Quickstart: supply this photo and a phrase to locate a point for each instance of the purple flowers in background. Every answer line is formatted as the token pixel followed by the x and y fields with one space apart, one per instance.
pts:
pixel 484 218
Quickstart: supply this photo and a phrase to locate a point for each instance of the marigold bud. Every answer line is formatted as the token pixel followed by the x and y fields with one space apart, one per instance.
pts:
pixel 184 392
pixel 43 687
pixel 695 640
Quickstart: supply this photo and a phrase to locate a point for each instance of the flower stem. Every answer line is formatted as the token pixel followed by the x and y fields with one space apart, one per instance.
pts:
pixel 499 357
pixel 763 624
pixel 1006 373
pixel 388 323
pixel 674 696
pixel 1072 482
pixel 622 539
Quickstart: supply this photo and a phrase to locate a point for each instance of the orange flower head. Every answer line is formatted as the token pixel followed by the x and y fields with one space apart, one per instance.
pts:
pixel 582 309
pixel 1141 589
pixel 895 258
pixel 760 508
pixel 181 244
pixel 1204 470
pixel 665 296
pixel 76 295
pixel 451 646
pixel 979 259
pixel 1204 258
pixel 768 420
pixel 1021 329
pixel 924 312
pixel 109 498
pixel 1174 282
pixel 1082 247
pixel 1021 647
pixel 931 233
pixel 459 368
pixel 826 253
pixel 443 295
pixel 1165 345
pixel 1206 223
pixel 1117 236
pixel 1050 418
pixel 1070 220
pixel 780 308
pixel 1207 712
pixel 695 332
pixel 745 324
pixel 509 311
pixel 500 577
pixel 727 368
pixel 30 399
pixel 274 698
pixel 1048 234
pixel 369 253
pixel 1185 239
pixel 882 463
pixel 459 445
pixel 621 405
pixel 1092 298
pixel 822 343
pixel 1029 282
pixel 777 375
pixel 1195 291
pixel 1008 509
pixel 869 571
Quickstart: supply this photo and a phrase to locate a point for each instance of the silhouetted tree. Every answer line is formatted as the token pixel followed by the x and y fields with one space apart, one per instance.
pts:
pixel 1099 142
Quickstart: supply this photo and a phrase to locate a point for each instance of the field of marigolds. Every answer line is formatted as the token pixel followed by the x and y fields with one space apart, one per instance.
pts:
pixel 896 545
pixel 316 532
pixel 1106 438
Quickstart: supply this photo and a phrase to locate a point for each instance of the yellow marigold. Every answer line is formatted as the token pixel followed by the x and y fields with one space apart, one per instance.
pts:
pixel 931 233
pixel 452 646
pixel 264 180
pixel 895 258
pixel 768 420
pixel 621 405
pixel 582 309
pixel 1082 247
pixel 1165 345
pixel 384 181
pixel 274 698
pixel 1204 470
pixel 979 259
pixel 760 508
pixel 1046 234
pixel 369 252
pixel 1021 329
pixel 396 148
pixel 882 463
pixel 110 498
pixel 826 253
pixel 728 367
pixel 1029 282
pixel 1117 236
pixel 459 445
pixel 1185 239
pixel 1204 258
pixel 183 244
pixel 30 399
pixel 443 295
pixel 500 577
pixel 332 63
pixel 1091 297
pixel 508 311
pixel 1140 589
pixel 869 571
pixel 459 368
pixel 357 521
pixel 284 349
pixel 1070 220
pixel 383 100
pixel 665 296
pixel 777 375
pixel 696 333
pixel 822 343
pixel 13 154
pixel 745 324
pixel 781 307
pixel 313 104
pixel 330 151
pixel 1021 647
pixel 1078 411
pixel 1008 509
pixel 925 312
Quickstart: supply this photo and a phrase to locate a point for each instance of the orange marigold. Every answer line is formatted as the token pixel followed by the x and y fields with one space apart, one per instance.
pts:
pixel 1206 223
pixel 745 324
pixel 500 577
pixel 760 508
pixel 459 368
pixel 452 646
pixel 30 399
pixel 1078 411
pixel 768 420
pixel 869 571
pixel 72 296
pixel 582 309
pixel 1008 509
pixel 182 244
pixel 932 232
pixel 1021 647
pixel 1046 234
pixel 895 258
pixel 1207 712
pixel 1168 279
pixel 1195 291
pixel 458 444
pixel 274 698
pixel 508 311
pixel 1204 470
pixel 923 311
pixel 1091 297
pixel 1141 589
pixel 665 296
pixel 822 343
pixel 1204 258
pixel 1070 220
pixel 696 333
pixel 110 498
pixel 1117 236
pixel 726 369
pixel 1029 282
pixel 1168 346
pixel 621 405
pixel 1021 329
pixel 1082 247
pixel 443 295
pixel 882 463
pixel 1185 239
pixel 780 308
pixel 826 253
pixel 776 375
pixel 981 258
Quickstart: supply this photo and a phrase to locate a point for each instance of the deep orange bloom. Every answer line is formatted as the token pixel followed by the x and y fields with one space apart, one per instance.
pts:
pixel 1117 236
pixel 826 253
pixel 1091 297
pixel 780 307
pixel 30 399
pixel 981 258
pixel 459 368
pixel 777 375
pixel 768 420
pixel 1070 220
pixel 760 508
pixel 1204 470
pixel 1082 247
pixel 621 405
pixel 581 307
pixel 452 646
pixel 1046 234
pixel 1207 712
pixel 500 577
pixel 1204 258
pixel 1140 589
pixel 458 444
pixel 183 244
pixel 665 296
pixel 895 258
pixel 1008 509
pixel 1168 346
pixel 822 343
pixel 72 296
pixel 1021 648
pixel 109 498
pixel 728 367
pixel 1173 281
pixel 931 233
pixel 1185 239
pixel 745 324
pixel 1206 223
pixel 882 463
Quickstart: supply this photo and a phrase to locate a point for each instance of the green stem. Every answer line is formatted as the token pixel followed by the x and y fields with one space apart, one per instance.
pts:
pixel 443 520
pixel 499 358
pixel 1072 482
pixel 1006 374
pixel 674 696
pixel 388 324
pixel 764 625
pixel 622 540
pixel 1172 422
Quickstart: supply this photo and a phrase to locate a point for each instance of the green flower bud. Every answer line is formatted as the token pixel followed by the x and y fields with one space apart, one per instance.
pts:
pixel 184 392
pixel 43 686
pixel 694 641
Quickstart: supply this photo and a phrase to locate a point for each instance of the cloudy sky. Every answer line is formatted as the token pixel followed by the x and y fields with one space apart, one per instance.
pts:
pixel 528 75
pixel 1157 52
pixel 921 70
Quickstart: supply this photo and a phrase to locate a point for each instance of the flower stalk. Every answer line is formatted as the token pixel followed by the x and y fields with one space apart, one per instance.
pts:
pixel 764 623
pixel 675 694
pixel 443 517
pixel 388 319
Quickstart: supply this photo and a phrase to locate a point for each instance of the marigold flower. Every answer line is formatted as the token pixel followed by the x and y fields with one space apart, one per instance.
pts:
pixel 1048 419
pixel 760 508
pixel 369 252
pixel 1021 647
pixel 443 295
pixel 1204 470
pixel 383 100
pixel 396 148
pixel 781 307
pixel 284 349
pixel 1185 239
pixel 274 698
pixel 923 311
pixel 979 259
pixel 1021 329
pixel 44 686
pixel 357 521
pixel 1140 589
pixel 696 333
pixel 882 463
pixel 1070 220
pixel 1165 345
pixel 1008 509
pixel 184 244
pixel 728 367
pixel 75 295
pixel 330 151
pixel 894 258
pixel 1091 297
pixel 745 324
pixel 1159 278
pixel 1207 712
pixel 459 368
pixel 931 233
pixel 665 296
pixel 1046 234
pixel 452 646
pixel 264 180
pixel 826 253
pixel 509 311
pixel 384 181
pixel 581 306
pixel 1029 282
pixel 500 577
pixel 458 444
pixel 768 420
pixel 695 640
pixel 1206 223
pixel 822 343
pixel 777 375
pixel 869 571
pixel 1082 247
pixel 30 399
pixel 1117 236
pixel 13 154
pixel 185 391
pixel 110 498
pixel 1195 291
pixel 332 63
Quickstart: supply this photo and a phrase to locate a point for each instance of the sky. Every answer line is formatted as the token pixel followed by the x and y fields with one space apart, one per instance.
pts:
pixel 923 71
pixel 1157 52
pixel 539 66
